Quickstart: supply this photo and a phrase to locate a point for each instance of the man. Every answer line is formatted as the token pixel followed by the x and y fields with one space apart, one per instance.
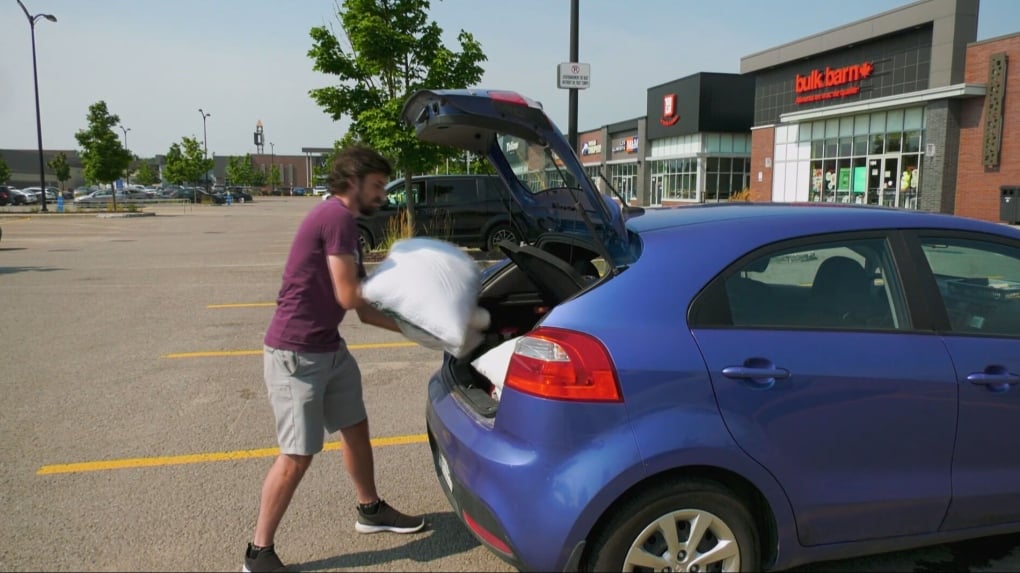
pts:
pixel 313 381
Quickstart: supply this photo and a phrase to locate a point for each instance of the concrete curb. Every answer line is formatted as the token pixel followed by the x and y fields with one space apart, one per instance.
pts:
pixel 123 215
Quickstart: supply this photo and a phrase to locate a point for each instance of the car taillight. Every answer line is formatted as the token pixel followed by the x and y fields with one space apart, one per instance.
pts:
pixel 508 97
pixel 563 365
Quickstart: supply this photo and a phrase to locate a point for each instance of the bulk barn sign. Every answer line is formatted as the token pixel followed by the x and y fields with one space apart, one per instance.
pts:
pixel 819 84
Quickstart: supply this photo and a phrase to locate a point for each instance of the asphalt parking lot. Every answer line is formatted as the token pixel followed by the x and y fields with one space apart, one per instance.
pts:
pixel 136 431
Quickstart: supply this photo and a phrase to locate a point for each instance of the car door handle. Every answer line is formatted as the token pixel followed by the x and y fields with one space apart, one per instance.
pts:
pixel 760 377
pixel 745 372
pixel 988 379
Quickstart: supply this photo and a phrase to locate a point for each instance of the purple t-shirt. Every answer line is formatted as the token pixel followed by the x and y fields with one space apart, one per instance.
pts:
pixel 307 313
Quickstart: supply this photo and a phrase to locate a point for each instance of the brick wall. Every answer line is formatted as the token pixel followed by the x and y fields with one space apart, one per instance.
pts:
pixel 977 188
pixel 763 145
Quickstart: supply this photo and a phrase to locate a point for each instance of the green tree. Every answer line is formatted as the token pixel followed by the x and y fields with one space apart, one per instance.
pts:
pixel 5 171
pixel 103 158
pixel 391 51
pixel 240 170
pixel 146 175
pixel 273 178
pixel 186 163
pixel 61 170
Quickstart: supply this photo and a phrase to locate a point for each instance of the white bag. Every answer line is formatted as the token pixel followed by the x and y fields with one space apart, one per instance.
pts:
pixel 430 287
pixel 495 363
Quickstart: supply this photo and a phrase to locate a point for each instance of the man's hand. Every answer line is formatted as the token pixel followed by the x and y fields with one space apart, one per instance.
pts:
pixel 371 315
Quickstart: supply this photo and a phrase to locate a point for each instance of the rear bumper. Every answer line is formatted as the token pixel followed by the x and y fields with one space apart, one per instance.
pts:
pixel 532 501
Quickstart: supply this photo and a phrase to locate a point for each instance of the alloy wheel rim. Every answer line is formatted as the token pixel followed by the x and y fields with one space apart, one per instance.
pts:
pixel 689 540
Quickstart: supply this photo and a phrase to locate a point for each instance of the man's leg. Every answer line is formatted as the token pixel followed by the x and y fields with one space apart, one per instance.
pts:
pixel 359 461
pixel 277 491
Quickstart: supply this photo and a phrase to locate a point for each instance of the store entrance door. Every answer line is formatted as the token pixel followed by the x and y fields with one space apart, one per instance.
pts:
pixel 655 194
pixel 883 180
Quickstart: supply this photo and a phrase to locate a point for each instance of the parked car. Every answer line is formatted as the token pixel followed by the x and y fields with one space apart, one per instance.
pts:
pixel 5 195
pixel 51 193
pixel 23 196
pixel 192 194
pixel 241 194
pixel 739 387
pixel 320 190
pixel 469 210
pixel 102 196
pixel 84 190
pixel 298 191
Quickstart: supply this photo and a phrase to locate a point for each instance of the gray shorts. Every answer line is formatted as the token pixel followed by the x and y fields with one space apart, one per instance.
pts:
pixel 311 392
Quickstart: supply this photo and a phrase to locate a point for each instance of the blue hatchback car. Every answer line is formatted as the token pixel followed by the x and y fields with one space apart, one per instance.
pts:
pixel 740 387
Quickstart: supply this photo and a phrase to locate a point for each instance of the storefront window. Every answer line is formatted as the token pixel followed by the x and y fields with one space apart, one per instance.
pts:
pixel 878 144
pixel 868 158
pixel 912 142
pixel 892 142
pixel 726 176
pixel 623 177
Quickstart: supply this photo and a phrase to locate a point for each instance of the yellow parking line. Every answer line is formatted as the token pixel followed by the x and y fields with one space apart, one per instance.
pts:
pixel 241 305
pixel 132 463
pixel 221 353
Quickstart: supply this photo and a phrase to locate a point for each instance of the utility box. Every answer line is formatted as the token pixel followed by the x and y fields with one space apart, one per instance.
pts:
pixel 1009 204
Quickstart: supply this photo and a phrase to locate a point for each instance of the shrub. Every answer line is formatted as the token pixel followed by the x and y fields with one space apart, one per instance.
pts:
pixel 397 228
pixel 742 195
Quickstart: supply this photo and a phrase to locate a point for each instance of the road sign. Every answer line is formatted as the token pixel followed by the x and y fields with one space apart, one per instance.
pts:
pixel 572 75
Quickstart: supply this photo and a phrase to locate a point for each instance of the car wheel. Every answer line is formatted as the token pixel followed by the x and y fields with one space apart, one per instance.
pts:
pixel 498 234
pixel 365 240
pixel 686 525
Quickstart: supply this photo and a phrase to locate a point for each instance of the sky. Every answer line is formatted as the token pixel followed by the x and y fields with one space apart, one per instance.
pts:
pixel 157 62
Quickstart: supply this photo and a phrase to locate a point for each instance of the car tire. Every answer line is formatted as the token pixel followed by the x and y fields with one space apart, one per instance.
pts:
pixel 365 240
pixel 499 233
pixel 636 529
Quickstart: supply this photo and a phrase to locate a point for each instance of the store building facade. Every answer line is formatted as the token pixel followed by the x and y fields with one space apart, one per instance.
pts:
pixel 698 133
pixel 868 113
pixel 613 152
pixel 693 146
pixel 989 156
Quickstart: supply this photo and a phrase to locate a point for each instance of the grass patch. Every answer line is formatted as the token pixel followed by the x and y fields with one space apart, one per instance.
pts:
pixel 397 228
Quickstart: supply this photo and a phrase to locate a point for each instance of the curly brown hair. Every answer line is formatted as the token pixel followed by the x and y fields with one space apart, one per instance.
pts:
pixel 352 164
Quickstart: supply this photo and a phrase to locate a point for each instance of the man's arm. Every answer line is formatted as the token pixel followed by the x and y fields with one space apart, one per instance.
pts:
pixel 343 271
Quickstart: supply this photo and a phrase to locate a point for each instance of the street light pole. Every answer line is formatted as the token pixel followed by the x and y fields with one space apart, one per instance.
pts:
pixel 272 165
pixel 125 130
pixel 205 147
pixel 38 116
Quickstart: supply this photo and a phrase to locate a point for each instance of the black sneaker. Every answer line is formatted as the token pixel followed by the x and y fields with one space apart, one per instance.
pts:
pixel 385 518
pixel 263 559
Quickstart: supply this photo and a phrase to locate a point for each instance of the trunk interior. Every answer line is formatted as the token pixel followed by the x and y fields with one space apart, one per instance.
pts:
pixel 517 297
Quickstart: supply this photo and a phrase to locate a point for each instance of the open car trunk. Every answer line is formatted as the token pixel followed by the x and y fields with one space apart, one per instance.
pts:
pixel 518 295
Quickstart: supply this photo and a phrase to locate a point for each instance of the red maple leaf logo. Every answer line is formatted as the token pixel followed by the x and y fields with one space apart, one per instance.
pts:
pixel 866 68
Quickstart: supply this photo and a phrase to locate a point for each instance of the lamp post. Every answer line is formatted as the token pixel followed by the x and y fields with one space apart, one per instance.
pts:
pixel 272 164
pixel 128 174
pixel 205 147
pixel 38 117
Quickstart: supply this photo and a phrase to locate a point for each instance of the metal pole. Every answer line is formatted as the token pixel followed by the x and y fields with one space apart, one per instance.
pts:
pixel 38 115
pixel 128 173
pixel 205 150
pixel 572 105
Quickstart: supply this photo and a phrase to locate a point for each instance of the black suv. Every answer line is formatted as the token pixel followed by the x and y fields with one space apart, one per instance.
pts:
pixel 6 197
pixel 469 210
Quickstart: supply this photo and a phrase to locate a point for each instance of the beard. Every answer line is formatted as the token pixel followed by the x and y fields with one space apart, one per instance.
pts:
pixel 368 207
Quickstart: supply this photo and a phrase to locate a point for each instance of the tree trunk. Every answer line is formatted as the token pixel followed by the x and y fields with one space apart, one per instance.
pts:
pixel 113 194
pixel 411 224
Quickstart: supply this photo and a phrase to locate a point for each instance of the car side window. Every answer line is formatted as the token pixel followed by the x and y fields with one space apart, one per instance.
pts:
pixel 454 192
pixel 398 198
pixel 844 285
pixel 979 282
